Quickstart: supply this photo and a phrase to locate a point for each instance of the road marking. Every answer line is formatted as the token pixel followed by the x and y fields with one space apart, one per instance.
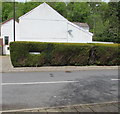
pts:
pixel 115 79
pixel 35 83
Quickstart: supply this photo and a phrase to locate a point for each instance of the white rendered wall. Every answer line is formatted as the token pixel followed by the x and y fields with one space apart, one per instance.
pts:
pixel 52 31
pixel 44 24
pixel 7 30
pixel 43 30
pixel 77 35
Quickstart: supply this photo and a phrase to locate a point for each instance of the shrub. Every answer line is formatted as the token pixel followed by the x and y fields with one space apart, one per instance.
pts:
pixel 59 54
pixel 70 54
pixel 104 54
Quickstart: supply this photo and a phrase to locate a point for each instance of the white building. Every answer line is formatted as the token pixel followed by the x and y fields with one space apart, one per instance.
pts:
pixel 7 34
pixel 43 24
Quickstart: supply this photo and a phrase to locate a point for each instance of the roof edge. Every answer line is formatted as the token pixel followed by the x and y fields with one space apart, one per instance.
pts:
pixel 45 4
pixel 30 11
pixel 80 28
pixel 8 21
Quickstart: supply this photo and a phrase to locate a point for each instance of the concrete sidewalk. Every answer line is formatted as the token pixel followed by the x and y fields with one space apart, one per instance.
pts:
pixel 96 107
pixel 5 64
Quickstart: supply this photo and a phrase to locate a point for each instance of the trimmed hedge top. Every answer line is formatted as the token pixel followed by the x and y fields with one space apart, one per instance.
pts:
pixel 61 54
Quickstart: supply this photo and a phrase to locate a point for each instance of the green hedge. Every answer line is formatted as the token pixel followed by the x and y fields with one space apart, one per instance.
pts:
pixel 59 54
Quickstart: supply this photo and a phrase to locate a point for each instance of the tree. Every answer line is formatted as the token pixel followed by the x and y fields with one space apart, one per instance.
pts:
pixel 78 12
pixel 114 24
pixel 7 7
pixel 95 19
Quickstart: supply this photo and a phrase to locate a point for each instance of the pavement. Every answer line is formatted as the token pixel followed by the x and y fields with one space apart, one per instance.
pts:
pixel 101 92
pixel 109 107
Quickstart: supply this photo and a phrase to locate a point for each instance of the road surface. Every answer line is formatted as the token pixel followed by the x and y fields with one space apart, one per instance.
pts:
pixel 24 90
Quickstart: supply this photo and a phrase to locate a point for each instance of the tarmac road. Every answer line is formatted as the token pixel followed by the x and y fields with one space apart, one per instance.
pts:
pixel 26 90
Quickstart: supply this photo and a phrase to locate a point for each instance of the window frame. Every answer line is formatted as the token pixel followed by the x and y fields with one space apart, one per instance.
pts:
pixel 6 43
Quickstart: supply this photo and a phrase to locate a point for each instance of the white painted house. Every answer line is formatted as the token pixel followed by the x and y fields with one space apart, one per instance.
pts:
pixel 43 24
pixel 7 34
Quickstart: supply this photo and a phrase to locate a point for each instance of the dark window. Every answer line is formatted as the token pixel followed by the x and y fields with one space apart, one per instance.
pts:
pixel 7 48
pixel 6 40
